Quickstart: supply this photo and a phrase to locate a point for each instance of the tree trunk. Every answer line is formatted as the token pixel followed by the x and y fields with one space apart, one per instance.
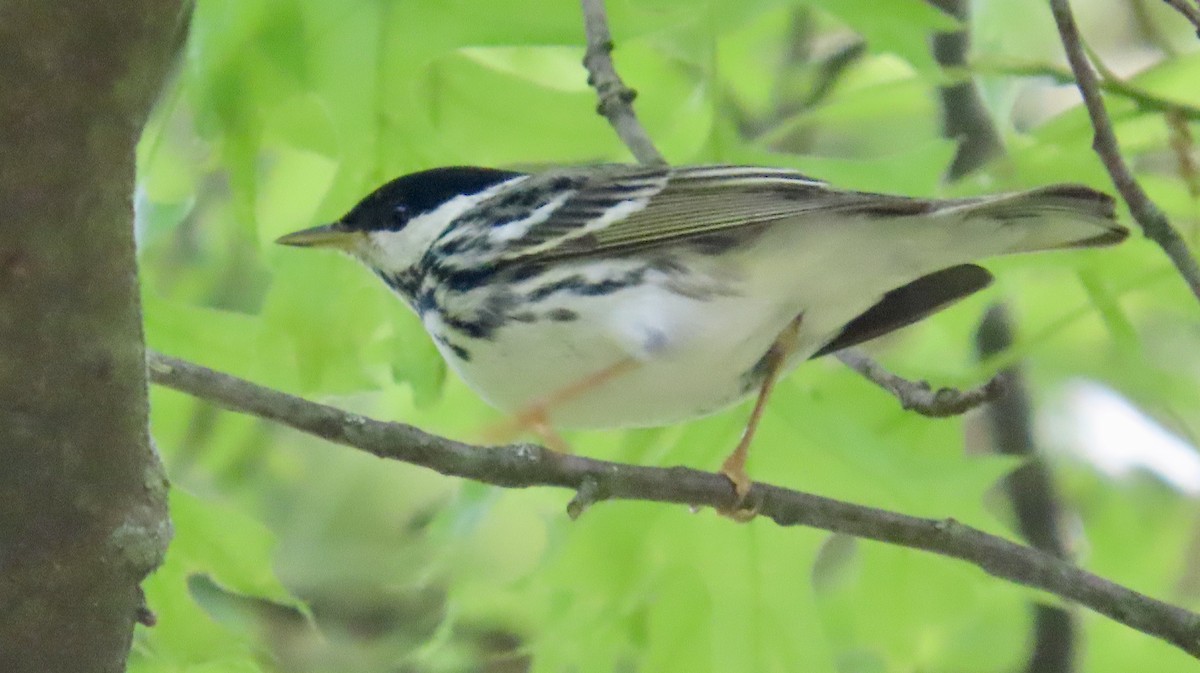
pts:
pixel 82 495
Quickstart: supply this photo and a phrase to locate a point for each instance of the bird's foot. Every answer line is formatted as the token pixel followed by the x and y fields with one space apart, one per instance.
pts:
pixel 533 420
pixel 734 469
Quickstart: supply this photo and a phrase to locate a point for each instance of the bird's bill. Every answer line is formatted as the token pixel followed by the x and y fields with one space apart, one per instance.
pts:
pixel 324 236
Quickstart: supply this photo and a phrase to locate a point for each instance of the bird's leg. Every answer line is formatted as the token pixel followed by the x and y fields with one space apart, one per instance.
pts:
pixel 536 417
pixel 734 466
pixel 537 423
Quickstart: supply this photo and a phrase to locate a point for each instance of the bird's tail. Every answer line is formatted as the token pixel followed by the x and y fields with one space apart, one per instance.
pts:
pixel 1047 218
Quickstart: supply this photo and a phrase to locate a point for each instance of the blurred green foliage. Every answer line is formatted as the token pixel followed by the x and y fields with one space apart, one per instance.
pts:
pixel 295 555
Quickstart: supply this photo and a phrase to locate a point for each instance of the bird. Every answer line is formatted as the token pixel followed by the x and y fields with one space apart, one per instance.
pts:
pixel 622 296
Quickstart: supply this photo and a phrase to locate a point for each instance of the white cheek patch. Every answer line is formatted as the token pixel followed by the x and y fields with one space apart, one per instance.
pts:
pixel 391 251
pixel 396 251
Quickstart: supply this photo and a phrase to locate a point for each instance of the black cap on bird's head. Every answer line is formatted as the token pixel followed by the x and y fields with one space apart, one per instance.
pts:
pixel 396 203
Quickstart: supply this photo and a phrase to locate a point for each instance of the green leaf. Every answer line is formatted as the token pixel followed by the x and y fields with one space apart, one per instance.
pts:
pixel 222 543
pixel 904 28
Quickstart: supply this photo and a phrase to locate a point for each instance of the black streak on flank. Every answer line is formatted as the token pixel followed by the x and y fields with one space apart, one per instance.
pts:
pixel 576 284
pixel 474 329
pixel 458 351
pixel 426 302
pixel 610 285
pixel 463 280
pixel 569 283
pixel 525 272
pixel 405 282
pixel 482 321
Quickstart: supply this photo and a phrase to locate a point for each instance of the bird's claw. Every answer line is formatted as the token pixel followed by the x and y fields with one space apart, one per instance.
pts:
pixel 534 420
pixel 741 511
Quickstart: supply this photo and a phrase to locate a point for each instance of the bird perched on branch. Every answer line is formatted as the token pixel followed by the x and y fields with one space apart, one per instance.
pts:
pixel 626 296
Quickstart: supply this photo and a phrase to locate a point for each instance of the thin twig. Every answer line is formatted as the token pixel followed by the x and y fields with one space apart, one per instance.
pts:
pixel 1035 502
pixel 827 72
pixel 1147 24
pixel 1145 100
pixel 586 495
pixel 965 117
pixel 524 465
pixel 918 396
pixel 1182 145
pixel 1152 220
pixel 832 69
pixel 616 99
pixel 1189 12
pixel 1029 488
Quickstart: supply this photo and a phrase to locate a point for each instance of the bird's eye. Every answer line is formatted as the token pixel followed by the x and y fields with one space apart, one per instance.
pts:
pixel 399 217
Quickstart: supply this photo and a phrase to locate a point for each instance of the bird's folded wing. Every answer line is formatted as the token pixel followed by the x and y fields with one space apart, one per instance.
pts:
pixel 628 208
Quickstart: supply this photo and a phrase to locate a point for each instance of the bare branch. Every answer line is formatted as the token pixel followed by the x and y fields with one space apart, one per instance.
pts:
pixel 586 495
pixel 1031 491
pixel 831 71
pixel 1182 145
pixel 918 396
pixel 965 117
pixel 1189 12
pixel 1146 101
pixel 616 99
pixel 1152 220
pixel 524 465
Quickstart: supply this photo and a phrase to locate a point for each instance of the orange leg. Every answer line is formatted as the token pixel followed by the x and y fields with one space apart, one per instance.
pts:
pixel 536 417
pixel 734 466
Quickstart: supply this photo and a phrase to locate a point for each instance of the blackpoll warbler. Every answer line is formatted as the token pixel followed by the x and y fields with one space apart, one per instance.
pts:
pixel 624 296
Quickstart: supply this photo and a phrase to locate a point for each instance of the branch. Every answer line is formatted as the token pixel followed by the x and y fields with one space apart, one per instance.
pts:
pixel 831 71
pixel 525 465
pixel 918 396
pixel 1189 12
pixel 1152 220
pixel 1012 434
pixel 616 99
pixel 1031 490
pixel 965 117
pixel 1146 101
pixel 1182 145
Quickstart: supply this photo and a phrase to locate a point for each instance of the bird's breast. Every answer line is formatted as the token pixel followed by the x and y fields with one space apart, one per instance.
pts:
pixel 693 338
